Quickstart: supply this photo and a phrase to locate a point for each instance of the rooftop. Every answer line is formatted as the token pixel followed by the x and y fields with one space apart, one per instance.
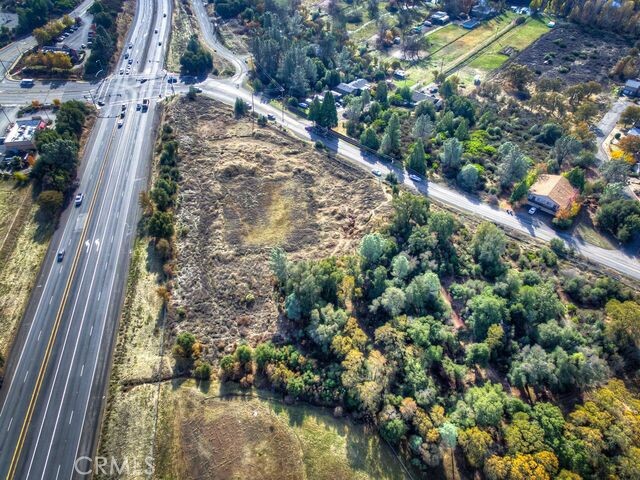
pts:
pixel 556 187
pixel 23 131
pixel 632 83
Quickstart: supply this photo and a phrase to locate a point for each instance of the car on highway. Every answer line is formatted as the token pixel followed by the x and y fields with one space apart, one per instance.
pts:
pixel 130 61
pixel 122 71
pixel 164 15
pixel 79 198
pixel 121 114
pixel 123 107
pixel 101 103
pixel 156 31
pixel 532 210
pixel 130 45
pixel 120 123
pixel 377 173
pixel 126 55
pixel 159 44
pixel 60 255
pixel 138 107
pixel 271 117
pixel 83 46
pixel 415 178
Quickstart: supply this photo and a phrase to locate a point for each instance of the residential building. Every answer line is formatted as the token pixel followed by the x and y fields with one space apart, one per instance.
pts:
pixel 22 135
pixel 632 88
pixel 353 88
pixel 551 193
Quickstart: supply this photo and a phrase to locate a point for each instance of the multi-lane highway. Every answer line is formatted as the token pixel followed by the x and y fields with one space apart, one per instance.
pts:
pixel 53 391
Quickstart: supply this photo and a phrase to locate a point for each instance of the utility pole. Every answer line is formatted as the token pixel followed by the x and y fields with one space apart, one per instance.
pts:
pixel 253 114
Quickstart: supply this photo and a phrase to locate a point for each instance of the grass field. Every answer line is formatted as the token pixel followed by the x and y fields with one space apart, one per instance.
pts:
pixel 23 245
pixel 491 59
pixel 238 437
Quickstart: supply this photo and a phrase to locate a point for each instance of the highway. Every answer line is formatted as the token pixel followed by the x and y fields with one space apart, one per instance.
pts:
pixel 56 376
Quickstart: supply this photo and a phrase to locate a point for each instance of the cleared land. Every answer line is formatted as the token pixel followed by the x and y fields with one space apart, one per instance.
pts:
pixel 23 245
pixel 242 194
pixel 575 55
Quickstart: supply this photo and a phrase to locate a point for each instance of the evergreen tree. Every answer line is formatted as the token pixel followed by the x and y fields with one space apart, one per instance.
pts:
pixel 382 93
pixel 423 128
pixel 315 111
pixel 416 160
pixel 329 114
pixel 369 139
pixel 391 138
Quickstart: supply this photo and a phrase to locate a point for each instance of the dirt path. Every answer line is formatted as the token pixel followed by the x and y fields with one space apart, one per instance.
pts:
pixel 455 318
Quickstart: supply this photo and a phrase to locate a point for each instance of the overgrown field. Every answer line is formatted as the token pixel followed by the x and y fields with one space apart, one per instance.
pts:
pixel 23 245
pixel 240 195
pixel 243 193
pixel 575 55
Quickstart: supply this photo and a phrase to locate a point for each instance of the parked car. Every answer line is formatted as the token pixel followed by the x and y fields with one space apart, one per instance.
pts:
pixel 415 178
pixel 303 105
pixel 271 117
pixel 79 198
pixel 377 173
pixel 532 210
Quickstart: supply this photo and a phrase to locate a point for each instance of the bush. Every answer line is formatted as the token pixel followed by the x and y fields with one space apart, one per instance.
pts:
pixel 50 202
pixel 202 371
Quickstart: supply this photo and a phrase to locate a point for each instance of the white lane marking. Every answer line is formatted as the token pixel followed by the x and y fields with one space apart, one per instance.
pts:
pixel 10 422
pixel 82 370
pixel 39 335
pixel 25 377
pixel 58 472
pixel 91 331
pixel 51 300
pixel 71 417
pixel 99 295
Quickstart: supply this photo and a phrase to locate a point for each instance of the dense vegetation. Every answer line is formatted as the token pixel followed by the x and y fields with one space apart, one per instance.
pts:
pixel 487 368
pixel 55 169
pixel 104 44
pixel 619 16
pixel 196 60
pixel 35 13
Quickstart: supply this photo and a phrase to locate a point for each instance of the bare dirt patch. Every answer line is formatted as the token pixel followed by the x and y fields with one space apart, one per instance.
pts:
pixel 242 194
pixel 575 55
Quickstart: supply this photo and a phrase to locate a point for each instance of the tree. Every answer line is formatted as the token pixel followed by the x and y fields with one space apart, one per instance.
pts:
pixel 391 139
pixel 513 164
pixel 423 294
pixel 202 371
pixel 392 300
pixel 56 166
pixel 551 420
pixel 623 326
pixel 315 111
pixel 616 171
pixel 476 445
pixel 50 202
pixel 449 437
pixel 468 178
pixel 451 156
pixel 372 247
pixel 278 263
pixel 328 113
pixel 416 159
pixel 382 93
pixel 196 60
pixel 477 354
pixel 621 218
pixel 393 430
pixel 524 435
pixel 184 345
pixel 160 225
pixel 369 139
pixel 239 107
pixel 423 128
pixel 631 115
pixel 631 145
pixel 565 148
pixel 519 76
pixel 533 367
pixel 488 245
pixel 410 211
pixel 486 310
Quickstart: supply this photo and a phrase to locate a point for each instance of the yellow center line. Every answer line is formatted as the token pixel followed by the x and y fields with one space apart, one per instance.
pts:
pixel 45 361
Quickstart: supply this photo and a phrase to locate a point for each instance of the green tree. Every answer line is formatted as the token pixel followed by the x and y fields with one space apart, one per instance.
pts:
pixel 50 202
pixel 239 107
pixel 410 211
pixel 369 139
pixel 184 345
pixel 423 294
pixel 468 178
pixel 477 354
pixel 329 114
pixel 623 326
pixel 382 92
pixel 488 244
pixel 423 128
pixel 416 160
pixel 476 445
pixel 486 310
pixel 451 156
pixel 513 164
pixel 160 225
pixel 524 435
pixel 390 144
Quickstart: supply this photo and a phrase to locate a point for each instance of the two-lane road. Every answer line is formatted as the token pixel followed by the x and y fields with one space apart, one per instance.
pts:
pixel 56 375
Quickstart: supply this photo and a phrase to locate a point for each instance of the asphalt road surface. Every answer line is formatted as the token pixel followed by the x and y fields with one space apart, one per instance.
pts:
pixel 56 376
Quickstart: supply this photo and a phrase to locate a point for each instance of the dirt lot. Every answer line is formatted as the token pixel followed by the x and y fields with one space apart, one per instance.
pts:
pixel 241 195
pixel 588 56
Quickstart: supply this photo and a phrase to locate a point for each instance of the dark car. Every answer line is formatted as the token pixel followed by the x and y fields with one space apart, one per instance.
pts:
pixel 60 255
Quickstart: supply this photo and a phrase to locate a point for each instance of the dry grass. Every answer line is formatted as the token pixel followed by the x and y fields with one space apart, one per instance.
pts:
pixel 241 195
pixel 23 253
pixel 212 435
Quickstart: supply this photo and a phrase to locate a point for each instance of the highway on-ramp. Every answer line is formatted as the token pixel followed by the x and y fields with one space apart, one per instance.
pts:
pixel 53 392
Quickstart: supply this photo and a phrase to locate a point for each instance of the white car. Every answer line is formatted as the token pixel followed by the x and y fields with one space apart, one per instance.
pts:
pixel 532 210
pixel 130 45
pixel 415 178
pixel 79 198
pixel 377 173
pixel 120 123
pixel 122 71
